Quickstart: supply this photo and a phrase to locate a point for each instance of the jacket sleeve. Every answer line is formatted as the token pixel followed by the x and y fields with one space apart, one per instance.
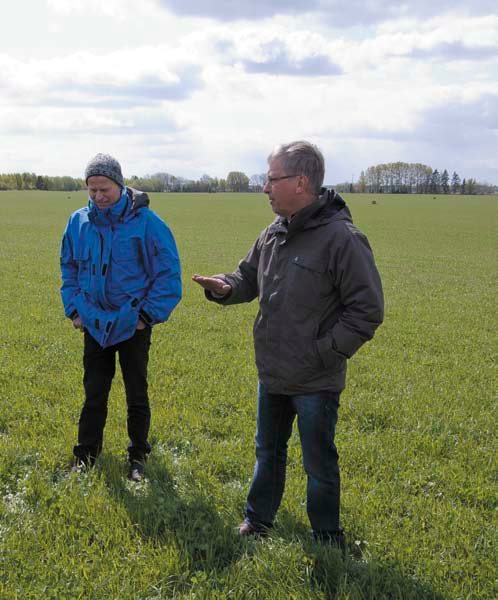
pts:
pixel 69 273
pixel 163 265
pixel 360 292
pixel 244 280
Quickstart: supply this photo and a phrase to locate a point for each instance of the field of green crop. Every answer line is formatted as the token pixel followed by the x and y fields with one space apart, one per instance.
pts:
pixel 415 431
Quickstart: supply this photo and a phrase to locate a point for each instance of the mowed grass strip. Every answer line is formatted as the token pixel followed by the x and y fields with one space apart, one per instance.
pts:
pixel 415 434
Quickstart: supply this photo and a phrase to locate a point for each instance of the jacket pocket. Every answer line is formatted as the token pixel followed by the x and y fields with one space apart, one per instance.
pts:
pixel 308 283
pixel 125 250
pixel 128 273
pixel 332 360
pixel 83 260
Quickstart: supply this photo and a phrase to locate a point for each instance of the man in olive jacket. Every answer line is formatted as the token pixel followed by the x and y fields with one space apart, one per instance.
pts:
pixel 320 298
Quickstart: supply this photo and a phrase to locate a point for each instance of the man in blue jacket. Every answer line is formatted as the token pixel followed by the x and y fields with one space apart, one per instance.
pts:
pixel 120 277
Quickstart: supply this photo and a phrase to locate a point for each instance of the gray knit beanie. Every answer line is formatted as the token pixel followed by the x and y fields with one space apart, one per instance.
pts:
pixel 106 165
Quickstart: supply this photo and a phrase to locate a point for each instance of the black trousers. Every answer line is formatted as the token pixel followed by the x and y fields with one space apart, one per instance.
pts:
pixel 99 368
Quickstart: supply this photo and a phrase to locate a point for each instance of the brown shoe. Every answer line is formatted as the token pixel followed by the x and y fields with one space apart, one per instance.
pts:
pixel 246 528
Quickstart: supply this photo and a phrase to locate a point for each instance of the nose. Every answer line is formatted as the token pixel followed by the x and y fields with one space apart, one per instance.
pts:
pixel 266 187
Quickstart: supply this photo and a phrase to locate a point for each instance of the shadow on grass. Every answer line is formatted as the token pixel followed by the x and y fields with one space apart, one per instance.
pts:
pixel 354 576
pixel 159 513
pixel 209 548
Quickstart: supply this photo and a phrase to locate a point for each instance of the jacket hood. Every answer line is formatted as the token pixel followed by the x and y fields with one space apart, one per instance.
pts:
pixel 329 206
pixel 138 199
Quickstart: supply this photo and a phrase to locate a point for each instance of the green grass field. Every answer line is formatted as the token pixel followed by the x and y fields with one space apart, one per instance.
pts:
pixel 415 433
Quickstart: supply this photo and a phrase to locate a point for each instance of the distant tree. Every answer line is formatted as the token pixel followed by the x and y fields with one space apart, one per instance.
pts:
pixel 463 188
pixel 257 182
pixel 7 182
pixel 181 184
pixel 435 185
pixel 374 177
pixel 396 177
pixel 206 184
pixel 40 183
pixel 173 183
pixel 237 181
pixel 482 187
pixel 445 178
pixel 343 186
pixel 215 184
pixel 471 186
pixel 164 180
pixel 362 183
pixel 455 183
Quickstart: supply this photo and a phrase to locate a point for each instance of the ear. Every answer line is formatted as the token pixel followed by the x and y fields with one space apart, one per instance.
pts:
pixel 302 185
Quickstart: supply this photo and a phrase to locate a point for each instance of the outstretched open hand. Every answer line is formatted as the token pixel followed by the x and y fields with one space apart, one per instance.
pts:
pixel 213 284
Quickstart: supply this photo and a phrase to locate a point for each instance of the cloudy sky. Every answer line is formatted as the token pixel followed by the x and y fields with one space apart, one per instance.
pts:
pixel 197 87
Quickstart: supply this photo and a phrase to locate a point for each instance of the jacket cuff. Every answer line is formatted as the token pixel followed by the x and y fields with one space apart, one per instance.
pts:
pixel 146 318
pixel 216 297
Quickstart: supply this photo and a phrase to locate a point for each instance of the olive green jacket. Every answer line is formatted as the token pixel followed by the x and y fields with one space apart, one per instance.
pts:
pixel 320 297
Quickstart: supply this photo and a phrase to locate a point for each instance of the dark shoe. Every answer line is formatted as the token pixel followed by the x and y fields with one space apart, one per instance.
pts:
pixel 332 538
pixel 246 529
pixel 136 471
pixel 81 464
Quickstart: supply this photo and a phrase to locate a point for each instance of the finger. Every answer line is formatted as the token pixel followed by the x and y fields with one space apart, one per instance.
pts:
pixel 205 282
pixel 200 279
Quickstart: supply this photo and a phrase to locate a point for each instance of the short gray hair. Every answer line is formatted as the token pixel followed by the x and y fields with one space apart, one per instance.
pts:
pixel 301 158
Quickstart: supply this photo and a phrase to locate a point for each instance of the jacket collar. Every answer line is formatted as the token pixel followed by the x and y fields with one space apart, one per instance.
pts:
pixel 328 206
pixel 127 205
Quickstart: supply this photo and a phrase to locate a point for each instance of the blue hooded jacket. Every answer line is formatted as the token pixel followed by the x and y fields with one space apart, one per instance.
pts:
pixel 118 265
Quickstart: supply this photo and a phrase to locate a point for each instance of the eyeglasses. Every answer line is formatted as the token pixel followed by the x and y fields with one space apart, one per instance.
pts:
pixel 271 180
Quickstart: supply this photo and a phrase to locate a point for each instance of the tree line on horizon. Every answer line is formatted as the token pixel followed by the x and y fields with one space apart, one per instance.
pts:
pixel 388 178
pixel 413 178
pixel 236 181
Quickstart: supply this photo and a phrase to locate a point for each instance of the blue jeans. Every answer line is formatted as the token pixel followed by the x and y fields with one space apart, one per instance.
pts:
pixel 316 420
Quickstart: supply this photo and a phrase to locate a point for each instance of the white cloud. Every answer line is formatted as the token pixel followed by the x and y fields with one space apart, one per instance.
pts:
pixel 142 75
pixel 75 122
pixel 276 51
pixel 336 12
pixel 232 10
pixel 195 96
pixel 117 9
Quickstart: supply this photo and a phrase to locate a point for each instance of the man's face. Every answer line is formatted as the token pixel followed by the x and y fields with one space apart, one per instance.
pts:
pixel 282 192
pixel 103 191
